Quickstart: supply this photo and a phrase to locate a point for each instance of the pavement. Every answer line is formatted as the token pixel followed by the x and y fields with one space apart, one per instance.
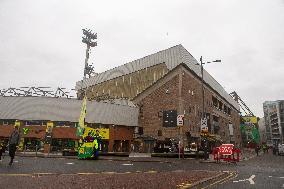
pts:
pixel 246 154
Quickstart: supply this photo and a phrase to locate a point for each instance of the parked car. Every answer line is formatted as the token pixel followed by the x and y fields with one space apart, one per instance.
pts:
pixel 280 149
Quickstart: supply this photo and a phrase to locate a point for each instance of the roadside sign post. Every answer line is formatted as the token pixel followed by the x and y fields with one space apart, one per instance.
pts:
pixel 204 130
pixel 180 123
pixel 204 127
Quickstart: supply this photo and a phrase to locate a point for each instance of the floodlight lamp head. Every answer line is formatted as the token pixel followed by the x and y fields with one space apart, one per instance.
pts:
pixel 217 61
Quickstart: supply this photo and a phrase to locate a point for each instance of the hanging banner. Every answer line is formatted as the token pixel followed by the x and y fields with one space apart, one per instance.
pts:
pixel 49 127
pixel 17 123
pixel 80 127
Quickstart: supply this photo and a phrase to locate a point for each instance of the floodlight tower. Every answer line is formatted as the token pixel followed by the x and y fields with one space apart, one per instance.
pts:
pixel 89 39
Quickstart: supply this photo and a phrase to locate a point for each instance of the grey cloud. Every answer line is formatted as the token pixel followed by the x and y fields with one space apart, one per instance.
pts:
pixel 41 40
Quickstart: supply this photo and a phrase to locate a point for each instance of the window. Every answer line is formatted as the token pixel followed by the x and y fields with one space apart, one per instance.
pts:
pixel 170 118
pixel 229 111
pixel 220 105
pixel 160 133
pixel 215 101
pixel 141 109
pixel 33 123
pixel 141 112
pixel 225 109
pixel 140 130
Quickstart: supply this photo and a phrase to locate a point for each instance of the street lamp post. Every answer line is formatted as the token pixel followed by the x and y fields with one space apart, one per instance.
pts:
pixel 203 106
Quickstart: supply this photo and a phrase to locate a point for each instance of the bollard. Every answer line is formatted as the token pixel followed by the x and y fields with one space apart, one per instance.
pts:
pixel 48 149
pixel 36 150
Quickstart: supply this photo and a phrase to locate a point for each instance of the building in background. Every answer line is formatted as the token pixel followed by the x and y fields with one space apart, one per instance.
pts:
pixel 52 121
pixel 261 128
pixel 274 121
pixel 164 85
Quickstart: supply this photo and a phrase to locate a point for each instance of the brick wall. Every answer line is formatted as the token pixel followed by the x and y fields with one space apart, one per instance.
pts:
pixel 120 133
pixel 164 98
pixel 184 94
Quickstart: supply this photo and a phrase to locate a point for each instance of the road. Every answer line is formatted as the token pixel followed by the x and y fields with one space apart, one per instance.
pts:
pixel 265 171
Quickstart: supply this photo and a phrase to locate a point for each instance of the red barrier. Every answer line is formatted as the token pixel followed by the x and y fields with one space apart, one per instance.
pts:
pixel 232 156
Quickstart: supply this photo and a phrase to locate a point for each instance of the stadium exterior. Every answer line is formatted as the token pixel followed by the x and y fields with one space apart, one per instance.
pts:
pixel 139 103
pixel 34 113
pixel 164 85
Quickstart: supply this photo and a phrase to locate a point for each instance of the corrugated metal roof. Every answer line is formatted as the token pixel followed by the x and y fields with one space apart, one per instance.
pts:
pixel 172 57
pixel 63 109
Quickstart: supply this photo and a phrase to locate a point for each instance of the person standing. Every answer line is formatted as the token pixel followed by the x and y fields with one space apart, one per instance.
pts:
pixel 14 141
pixel 2 149
pixel 257 149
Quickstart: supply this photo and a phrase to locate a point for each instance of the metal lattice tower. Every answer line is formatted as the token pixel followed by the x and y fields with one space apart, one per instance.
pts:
pixel 242 104
pixel 36 91
pixel 89 39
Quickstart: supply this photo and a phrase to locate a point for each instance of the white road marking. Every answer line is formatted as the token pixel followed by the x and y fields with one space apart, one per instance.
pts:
pixel 269 176
pixel 71 163
pixel 16 161
pixel 249 179
pixel 281 177
pixel 239 180
pixel 108 172
pixel 127 164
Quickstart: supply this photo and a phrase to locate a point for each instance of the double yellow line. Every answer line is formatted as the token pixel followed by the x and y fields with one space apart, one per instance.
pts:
pixel 222 181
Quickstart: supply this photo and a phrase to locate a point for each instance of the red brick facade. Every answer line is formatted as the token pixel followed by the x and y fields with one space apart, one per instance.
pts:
pixel 120 137
pixel 181 90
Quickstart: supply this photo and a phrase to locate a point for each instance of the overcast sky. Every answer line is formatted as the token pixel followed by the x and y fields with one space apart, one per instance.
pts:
pixel 40 41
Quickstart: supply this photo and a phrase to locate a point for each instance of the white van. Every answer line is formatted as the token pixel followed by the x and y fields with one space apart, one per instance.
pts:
pixel 280 149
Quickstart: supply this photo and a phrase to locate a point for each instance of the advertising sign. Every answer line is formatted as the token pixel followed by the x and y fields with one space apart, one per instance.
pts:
pixel 17 123
pixel 180 120
pixel 204 127
pixel 250 119
pixel 226 149
pixel 103 132
pixel 49 127
pixel 26 131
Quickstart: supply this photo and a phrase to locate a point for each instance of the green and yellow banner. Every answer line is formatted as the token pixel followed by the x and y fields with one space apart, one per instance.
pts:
pixel 81 126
